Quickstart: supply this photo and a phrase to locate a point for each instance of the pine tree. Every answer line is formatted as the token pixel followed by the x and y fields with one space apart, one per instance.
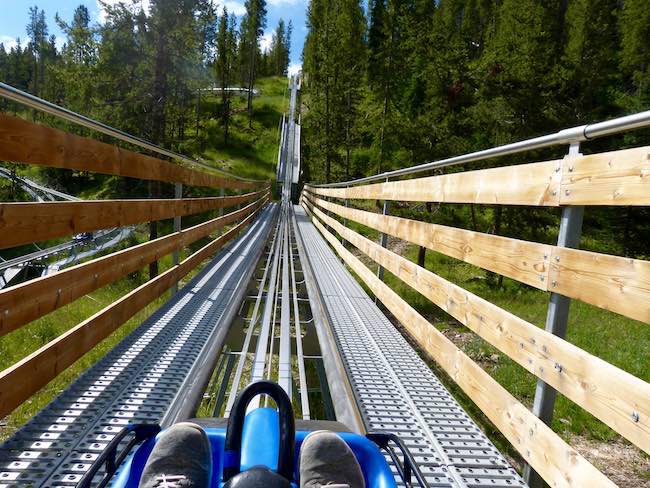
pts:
pixel 279 51
pixel 635 54
pixel 334 64
pixel 76 71
pixel 226 44
pixel 38 34
pixel 252 28
pixel 592 43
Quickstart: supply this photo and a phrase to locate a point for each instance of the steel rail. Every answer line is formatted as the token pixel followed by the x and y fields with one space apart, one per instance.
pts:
pixel 252 324
pixel 32 101
pixel 284 350
pixel 259 361
pixel 566 136
pixel 302 377
pixel 190 394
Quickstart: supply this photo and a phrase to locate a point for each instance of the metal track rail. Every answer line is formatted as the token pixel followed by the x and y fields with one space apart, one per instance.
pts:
pixel 154 375
pixel 236 382
pixel 394 388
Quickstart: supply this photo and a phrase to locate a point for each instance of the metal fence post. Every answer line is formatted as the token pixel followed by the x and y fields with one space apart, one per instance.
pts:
pixel 383 238
pixel 345 224
pixel 178 193
pixel 557 314
pixel 222 193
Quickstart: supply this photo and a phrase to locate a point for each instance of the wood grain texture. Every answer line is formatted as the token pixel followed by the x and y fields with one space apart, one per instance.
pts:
pixel 26 142
pixel 526 184
pixel 614 283
pixel 22 223
pixel 23 379
pixel 557 462
pixel 618 284
pixel 523 261
pixel 30 300
pixel 580 376
pixel 612 178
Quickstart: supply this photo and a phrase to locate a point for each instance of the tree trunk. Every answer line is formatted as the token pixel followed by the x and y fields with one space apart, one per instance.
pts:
pixel 347 136
pixel 422 252
pixel 493 279
pixel 327 133
pixel 251 74
pixel 158 130
pixel 473 213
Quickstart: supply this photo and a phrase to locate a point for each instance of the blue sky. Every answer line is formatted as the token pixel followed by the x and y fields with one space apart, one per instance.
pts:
pixel 13 18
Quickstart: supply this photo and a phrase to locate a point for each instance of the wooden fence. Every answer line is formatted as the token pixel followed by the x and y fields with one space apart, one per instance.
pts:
pixel 21 223
pixel 622 285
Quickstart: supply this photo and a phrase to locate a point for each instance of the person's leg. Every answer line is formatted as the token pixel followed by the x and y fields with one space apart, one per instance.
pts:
pixel 180 458
pixel 327 461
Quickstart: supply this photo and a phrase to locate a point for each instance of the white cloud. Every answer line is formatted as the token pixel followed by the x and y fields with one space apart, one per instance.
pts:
pixel 233 7
pixel 10 42
pixel 265 42
pixel 101 15
pixel 294 69
pixel 59 42
pixel 276 3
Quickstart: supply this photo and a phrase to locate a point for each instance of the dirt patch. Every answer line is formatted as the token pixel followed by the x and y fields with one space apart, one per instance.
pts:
pixel 621 462
pixel 398 246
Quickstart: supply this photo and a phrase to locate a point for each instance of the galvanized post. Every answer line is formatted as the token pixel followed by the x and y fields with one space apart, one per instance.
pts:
pixel 383 239
pixel 345 224
pixel 178 193
pixel 222 193
pixel 557 315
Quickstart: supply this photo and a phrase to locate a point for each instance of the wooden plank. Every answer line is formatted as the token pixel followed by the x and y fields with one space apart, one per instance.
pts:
pixel 557 462
pixel 26 142
pixel 22 223
pixel 581 377
pixel 618 284
pixel 525 184
pixel 28 301
pixel 520 260
pixel 612 178
pixel 23 379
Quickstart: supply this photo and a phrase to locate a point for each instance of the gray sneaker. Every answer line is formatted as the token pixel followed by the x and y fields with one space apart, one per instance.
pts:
pixel 326 460
pixel 181 458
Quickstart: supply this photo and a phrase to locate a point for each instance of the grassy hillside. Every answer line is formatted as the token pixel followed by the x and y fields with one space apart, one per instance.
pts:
pixel 250 152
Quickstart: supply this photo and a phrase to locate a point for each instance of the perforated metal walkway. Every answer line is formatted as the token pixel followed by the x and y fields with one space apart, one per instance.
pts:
pixel 148 377
pixel 394 388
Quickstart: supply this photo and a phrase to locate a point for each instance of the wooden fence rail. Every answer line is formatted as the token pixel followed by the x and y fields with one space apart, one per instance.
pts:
pixel 554 459
pixel 614 283
pixel 523 261
pixel 23 379
pixel 581 377
pixel 619 284
pixel 614 178
pixel 26 142
pixel 32 299
pixel 22 223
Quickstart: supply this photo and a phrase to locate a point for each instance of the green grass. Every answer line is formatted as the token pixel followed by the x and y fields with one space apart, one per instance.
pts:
pixel 250 152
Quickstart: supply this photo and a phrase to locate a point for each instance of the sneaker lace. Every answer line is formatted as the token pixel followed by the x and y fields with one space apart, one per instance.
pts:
pixel 172 481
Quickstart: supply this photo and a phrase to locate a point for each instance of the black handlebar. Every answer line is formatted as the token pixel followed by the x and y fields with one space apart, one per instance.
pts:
pixel 232 454
pixel 109 456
